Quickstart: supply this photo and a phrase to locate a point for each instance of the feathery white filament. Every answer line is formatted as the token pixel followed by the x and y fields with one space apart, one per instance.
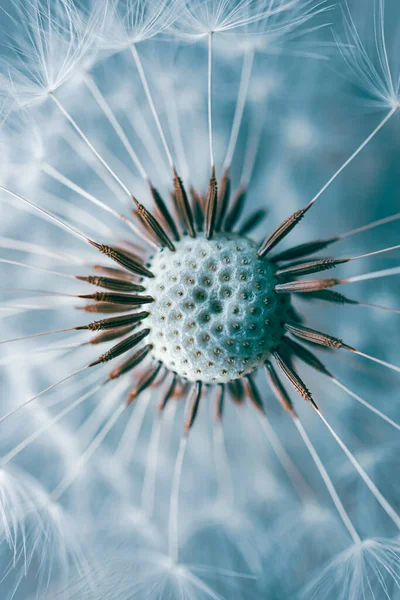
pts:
pixel 355 153
pixel 367 480
pixel 328 482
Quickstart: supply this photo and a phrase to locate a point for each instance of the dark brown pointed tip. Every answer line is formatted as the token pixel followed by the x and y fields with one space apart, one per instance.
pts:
pixel 136 202
pixel 349 348
pixel 95 244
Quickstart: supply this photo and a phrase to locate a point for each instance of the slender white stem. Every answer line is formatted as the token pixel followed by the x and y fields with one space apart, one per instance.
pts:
pixel 22 246
pixel 47 214
pixel 90 426
pixel 35 335
pixel 51 387
pixel 209 99
pixel 222 467
pixel 4 290
pixel 296 478
pixel 65 348
pixel 38 432
pixel 355 153
pixel 377 360
pixel 367 480
pixel 252 146
pixel 127 445
pixel 17 263
pixel 365 403
pixel 176 131
pixel 248 60
pixel 109 114
pixel 372 225
pixel 380 307
pixel 150 475
pixel 375 252
pixel 77 145
pixel 373 275
pixel 150 100
pixel 57 176
pixel 328 482
pixel 86 456
pixel 89 144
pixel 173 534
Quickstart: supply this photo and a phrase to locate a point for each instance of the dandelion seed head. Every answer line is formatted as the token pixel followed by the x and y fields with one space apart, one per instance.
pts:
pixel 216 316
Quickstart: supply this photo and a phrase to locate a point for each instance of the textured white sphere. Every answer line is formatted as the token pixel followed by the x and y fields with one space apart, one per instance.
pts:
pixel 216 316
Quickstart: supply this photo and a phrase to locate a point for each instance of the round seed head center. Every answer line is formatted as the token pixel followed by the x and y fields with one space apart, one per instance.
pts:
pixel 216 316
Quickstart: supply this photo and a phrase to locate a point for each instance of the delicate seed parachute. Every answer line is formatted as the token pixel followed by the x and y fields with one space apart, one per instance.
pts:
pixel 177 178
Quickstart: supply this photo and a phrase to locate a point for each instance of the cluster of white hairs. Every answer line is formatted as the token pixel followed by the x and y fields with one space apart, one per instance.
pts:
pixel 135 483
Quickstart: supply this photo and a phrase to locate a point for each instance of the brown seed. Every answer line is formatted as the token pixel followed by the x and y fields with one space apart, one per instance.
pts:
pixel 192 405
pixel 306 356
pixel 278 390
pixel 293 377
pixel 145 382
pixel 211 206
pixel 234 214
pixel 252 393
pixel 124 259
pixel 129 299
pixel 219 404
pixel 127 344
pixel 184 208
pixel 314 266
pixel 153 226
pixel 306 285
pixel 316 337
pixel 303 250
pixel 223 200
pixel 131 362
pixel 122 321
pixel 108 283
pixel 281 231
pixel 253 221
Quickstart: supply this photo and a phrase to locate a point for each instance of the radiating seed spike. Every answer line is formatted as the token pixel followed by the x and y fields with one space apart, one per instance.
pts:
pixel 162 207
pixel 235 213
pixel 123 259
pixel 131 362
pixel 154 226
pixel 253 221
pixel 252 393
pixel 293 378
pixel 219 403
pixel 115 322
pixel 145 382
pixel 169 393
pixel 316 337
pixel 122 347
pixel 314 266
pixel 108 283
pixel 112 334
pixel 183 205
pixel 115 298
pixel 198 209
pixel 211 206
pixel 193 405
pixel 306 356
pixel 303 250
pixel 223 200
pixel 105 308
pixel 117 273
pixel 306 285
pixel 330 296
pixel 281 231
pixel 278 390
pixel 236 391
